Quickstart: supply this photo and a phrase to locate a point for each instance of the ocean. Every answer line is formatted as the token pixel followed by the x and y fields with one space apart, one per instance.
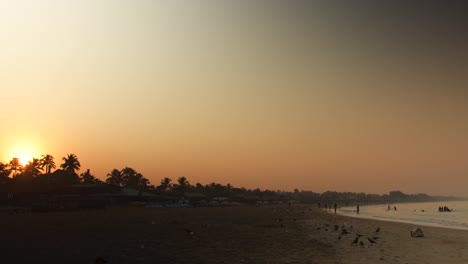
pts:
pixel 425 214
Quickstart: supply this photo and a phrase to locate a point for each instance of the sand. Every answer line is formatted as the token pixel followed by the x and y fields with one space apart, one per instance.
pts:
pixel 270 234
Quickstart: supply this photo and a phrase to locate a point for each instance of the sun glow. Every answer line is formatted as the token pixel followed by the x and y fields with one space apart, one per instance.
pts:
pixel 24 153
pixel 24 156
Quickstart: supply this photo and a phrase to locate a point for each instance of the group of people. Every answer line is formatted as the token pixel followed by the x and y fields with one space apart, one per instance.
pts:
pixel 444 209
pixel 327 206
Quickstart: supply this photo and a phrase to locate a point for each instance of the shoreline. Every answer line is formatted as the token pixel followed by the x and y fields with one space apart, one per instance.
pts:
pixel 394 243
pixel 428 218
pixel 425 224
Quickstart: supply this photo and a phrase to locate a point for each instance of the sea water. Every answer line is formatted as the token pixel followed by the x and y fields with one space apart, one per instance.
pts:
pixel 426 214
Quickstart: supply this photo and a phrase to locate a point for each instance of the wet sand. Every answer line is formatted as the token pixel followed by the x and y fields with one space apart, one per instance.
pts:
pixel 270 234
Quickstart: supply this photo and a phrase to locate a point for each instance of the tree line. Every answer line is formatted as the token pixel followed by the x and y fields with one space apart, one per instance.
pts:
pixel 43 173
pixel 40 173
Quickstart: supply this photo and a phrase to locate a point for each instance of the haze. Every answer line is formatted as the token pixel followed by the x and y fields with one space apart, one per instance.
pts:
pixel 273 95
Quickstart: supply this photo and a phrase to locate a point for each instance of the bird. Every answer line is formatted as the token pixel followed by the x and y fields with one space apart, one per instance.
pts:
pixel 188 231
pixel 377 230
pixel 372 241
pixel 356 240
pixel 100 260
pixel 345 232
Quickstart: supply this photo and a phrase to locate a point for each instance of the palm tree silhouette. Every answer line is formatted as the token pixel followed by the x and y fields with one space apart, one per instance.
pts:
pixel 165 184
pixel 47 162
pixel 15 166
pixel 70 164
pixel 4 173
pixel 129 177
pixel 32 169
pixel 87 177
pixel 183 183
pixel 114 178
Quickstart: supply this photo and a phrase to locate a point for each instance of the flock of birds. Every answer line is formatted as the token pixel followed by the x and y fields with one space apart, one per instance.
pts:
pixel 357 240
pixel 344 231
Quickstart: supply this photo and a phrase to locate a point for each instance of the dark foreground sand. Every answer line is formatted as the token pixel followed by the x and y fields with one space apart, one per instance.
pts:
pixel 273 234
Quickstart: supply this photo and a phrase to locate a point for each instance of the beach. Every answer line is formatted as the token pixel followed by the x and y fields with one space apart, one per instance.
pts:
pixel 244 234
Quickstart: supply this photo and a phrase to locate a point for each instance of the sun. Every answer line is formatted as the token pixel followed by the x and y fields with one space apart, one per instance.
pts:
pixel 23 147
pixel 24 159
pixel 24 156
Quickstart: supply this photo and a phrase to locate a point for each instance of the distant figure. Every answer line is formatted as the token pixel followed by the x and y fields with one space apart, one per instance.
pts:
pixel 357 209
pixel 388 208
pixel 319 206
pixel 335 207
pixel 325 206
pixel 394 207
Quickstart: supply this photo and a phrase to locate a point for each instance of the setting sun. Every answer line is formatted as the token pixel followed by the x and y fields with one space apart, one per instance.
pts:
pixel 24 156
pixel 25 147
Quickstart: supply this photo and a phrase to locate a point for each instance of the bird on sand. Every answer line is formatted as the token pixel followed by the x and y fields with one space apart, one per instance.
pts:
pixel 356 240
pixel 100 260
pixel 188 231
pixel 377 230
pixel 345 231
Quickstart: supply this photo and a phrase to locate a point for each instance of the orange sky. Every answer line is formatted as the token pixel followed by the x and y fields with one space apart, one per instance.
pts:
pixel 281 96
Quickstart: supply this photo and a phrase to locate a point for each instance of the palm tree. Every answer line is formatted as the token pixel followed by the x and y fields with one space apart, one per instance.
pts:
pixel 114 178
pixel 165 184
pixel 32 169
pixel 143 183
pixel 70 164
pixel 183 183
pixel 87 177
pixel 48 163
pixel 15 166
pixel 4 173
pixel 134 179
pixel 129 177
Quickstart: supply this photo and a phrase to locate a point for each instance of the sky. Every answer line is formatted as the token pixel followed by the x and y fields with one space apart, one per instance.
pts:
pixel 329 95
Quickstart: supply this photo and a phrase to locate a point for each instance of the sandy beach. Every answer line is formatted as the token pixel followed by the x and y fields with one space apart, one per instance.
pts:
pixel 270 234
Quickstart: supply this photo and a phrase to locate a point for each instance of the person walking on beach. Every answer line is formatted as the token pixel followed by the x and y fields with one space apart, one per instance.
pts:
pixel 357 209
pixel 335 207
